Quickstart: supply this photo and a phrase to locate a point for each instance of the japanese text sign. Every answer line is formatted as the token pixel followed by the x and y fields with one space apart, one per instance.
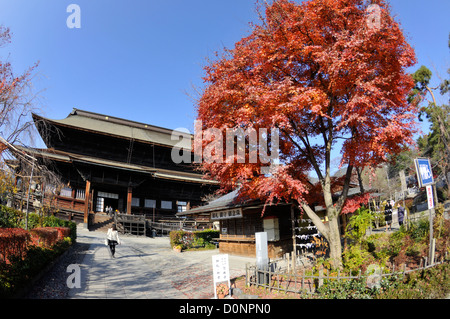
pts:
pixel 424 173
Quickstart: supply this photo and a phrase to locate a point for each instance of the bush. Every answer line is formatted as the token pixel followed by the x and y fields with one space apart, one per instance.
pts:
pixel 419 230
pixel 13 243
pixel 193 239
pixel 345 289
pixel 18 273
pixel 431 283
pixel 23 254
pixel 44 236
pixel 9 217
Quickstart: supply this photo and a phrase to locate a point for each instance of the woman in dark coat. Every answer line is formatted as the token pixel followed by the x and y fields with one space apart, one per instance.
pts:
pixel 401 215
pixel 388 215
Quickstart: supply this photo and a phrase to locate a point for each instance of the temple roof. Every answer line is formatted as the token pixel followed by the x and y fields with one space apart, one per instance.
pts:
pixel 113 126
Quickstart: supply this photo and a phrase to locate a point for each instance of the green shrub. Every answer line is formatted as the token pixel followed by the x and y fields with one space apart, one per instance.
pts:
pixel 431 283
pixel 419 230
pixel 9 217
pixel 193 239
pixel 345 289
pixel 355 258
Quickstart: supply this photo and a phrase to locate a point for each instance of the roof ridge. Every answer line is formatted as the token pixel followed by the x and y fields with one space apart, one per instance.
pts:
pixel 122 121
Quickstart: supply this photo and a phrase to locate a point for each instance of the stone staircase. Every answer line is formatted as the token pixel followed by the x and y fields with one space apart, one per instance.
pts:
pixel 101 222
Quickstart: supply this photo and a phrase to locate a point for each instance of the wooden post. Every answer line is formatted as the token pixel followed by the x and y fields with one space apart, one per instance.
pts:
pixel 86 203
pixel 129 197
pixel 72 204
pixel 320 276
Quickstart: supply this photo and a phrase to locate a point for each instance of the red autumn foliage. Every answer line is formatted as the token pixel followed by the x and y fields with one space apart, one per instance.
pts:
pixel 352 204
pixel 321 74
pixel 13 242
pixel 44 236
pixel 62 232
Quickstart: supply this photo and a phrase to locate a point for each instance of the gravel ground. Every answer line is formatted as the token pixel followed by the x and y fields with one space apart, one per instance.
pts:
pixel 52 285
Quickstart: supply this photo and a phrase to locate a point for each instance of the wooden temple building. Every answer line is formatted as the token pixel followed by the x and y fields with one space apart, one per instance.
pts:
pixel 108 162
pixel 287 229
pixel 239 220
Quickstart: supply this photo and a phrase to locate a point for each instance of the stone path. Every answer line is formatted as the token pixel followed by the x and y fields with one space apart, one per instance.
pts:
pixel 146 268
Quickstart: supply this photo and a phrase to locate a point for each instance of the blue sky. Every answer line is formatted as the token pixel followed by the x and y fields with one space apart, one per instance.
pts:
pixel 139 60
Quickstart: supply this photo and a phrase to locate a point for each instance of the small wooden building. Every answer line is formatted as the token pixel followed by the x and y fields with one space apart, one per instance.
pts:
pixel 238 221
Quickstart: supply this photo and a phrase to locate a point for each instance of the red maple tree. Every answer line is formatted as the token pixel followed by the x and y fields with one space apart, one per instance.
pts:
pixel 321 71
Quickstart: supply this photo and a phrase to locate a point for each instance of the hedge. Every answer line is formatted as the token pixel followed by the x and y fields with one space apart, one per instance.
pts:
pixel 44 236
pixel 11 218
pixel 13 243
pixel 23 254
pixel 188 240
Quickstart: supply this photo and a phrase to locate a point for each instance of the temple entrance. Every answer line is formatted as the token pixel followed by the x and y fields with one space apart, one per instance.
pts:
pixel 105 200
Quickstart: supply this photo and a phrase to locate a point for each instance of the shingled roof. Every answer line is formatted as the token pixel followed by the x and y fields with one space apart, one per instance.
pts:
pixel 109 125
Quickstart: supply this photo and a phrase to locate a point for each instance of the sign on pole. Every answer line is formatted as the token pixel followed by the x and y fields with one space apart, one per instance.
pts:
pixel 430 197
pixel 425 178
pixel 424 172
pixel 221 271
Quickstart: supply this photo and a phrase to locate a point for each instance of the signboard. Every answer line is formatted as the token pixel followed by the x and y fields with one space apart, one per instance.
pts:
pixel 262 254
pixel 424 173
pixel 227 214
pixel 430 197
pixel 221 271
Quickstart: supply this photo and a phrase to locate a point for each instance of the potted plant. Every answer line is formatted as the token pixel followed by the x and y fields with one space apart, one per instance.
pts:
pixel 177 248
pixel 222 290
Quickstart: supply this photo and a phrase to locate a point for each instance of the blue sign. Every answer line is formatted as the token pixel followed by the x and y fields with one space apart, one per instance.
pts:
pixel 424 173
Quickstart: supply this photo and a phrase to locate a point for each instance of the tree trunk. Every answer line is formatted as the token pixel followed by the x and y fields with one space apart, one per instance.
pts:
pixel 330 231
pixel 334 241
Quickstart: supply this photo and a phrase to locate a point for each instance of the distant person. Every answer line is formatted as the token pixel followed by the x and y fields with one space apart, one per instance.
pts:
pixel 388 215
pixel 113 239
pixel 401 214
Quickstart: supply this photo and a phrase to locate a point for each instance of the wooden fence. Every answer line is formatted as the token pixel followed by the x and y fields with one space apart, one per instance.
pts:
pixel 308 281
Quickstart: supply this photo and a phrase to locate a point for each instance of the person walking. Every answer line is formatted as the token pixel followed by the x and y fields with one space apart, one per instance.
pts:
pixel 113 239
pixel 401 214
pixel 388 215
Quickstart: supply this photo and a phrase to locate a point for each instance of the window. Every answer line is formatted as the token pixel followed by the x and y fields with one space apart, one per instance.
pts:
pixel 181 206
pixel 150 203
pixel 66 192
pixel 100 204
pixel 166 204
pixel 80 194
pixel 135 201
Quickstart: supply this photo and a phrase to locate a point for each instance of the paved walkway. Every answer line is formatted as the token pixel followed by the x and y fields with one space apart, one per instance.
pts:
pixel 147 268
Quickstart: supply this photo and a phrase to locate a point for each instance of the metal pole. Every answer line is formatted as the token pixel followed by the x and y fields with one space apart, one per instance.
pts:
pixel 431 214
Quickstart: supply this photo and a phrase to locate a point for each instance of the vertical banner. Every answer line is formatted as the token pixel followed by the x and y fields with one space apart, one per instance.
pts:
pixel 221 274
pixel 430 197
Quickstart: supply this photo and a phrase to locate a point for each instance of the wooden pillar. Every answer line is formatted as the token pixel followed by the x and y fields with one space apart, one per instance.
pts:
pixel 129 197
pixel 72 206
pixel 86 203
